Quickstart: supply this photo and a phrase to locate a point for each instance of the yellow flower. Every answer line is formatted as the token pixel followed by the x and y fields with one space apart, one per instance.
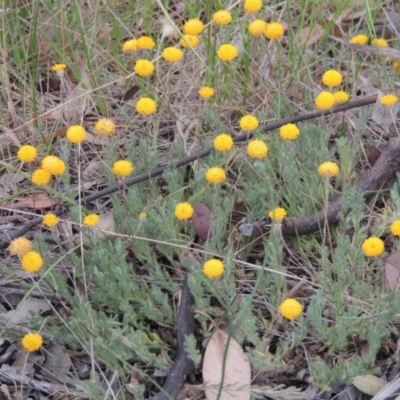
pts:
pixel 58 67
pixel 341 96
pixel 123 168
pixel 359 39
pixel 20 246
pixel 227 52
pixel 183 211
pixel 206 92
pixel 222 17
pixel 290 308
pixel 289 132
pixel 190 39
pixel 379 42
pixel 274 31
pixel 144 67
pixel 32 341
pixel 332 78
pixel 130 45
pixel 50 220
pixel 396 65
pixel 76 134
pixel 104 126
pixel 31 261
pixel 388 99
pixel 223 142
pixel 328 169
pixel 215 175
pixel 193 27
pixel 213 268
pixel 395 228
pixel 146 42
pixel 146 106
pixel 257 149
pixel 257 27
pixel 252 5
pixel 143 215
pixel 172 54
pixel 373 246
pixel 41 177
pixel 249 123
pixel 277 213
pixel 53 165
pixel 325 100
pixel 27 153
pixel 91 220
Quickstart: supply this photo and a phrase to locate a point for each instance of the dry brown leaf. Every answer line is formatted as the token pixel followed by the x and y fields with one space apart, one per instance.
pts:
pixel 237 377
pixel 201 221
pixel 369 384
pixel 36 201
pixel 392 269
pixel 58 363
pixel 23 312
pixel 308 36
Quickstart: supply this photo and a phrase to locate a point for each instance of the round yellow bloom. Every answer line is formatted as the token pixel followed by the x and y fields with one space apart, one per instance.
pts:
pixel 289 132
pixel 41 177
pixel 91 220
pixel 27 153
pixel 388 99
pixel 76 134
pixel 252 5
pixel 32 341
pixel 379 42
pixel 332 78
pixel 257 149
pixel 274 31
pixel 396 65
pixel 189 39
pixel 183 211
pixel 193 27
pixel 257 27
pixel 50 220
pixel 328 169
pixel 172 54
pixel 373 246
pixel 249 123
pixel 325 101
pixel 277 213
pixel 206 92
pixel 222 17
pixel 31 261
pixel 146 106
pixel 341 96
pixel 290 308
pixel 359 39
pixel 215 175
pixel 213 268
pixel 53 165
pixel 143 215
pixel 223 142
pixel 123 168
pixel 395 228
pixel 58 67
pixel 144 67
pixel 104 127
pixel 130 45
pixel 227 52
pixel 146 42
pixel 20 246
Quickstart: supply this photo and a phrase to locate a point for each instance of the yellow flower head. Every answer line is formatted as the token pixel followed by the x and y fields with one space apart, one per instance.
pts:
pixel 31 261
pixel 146 42
pixel 144 67
pixel 223 142
pixel 222 17
pixel 227 52
pixel 359 39
pixel 41 177
pixel 76 134
pixel 27 153
pixel 257 149
pixel 50 220
pixel 206 92
pixel 290 308
pixel 130 45
pixel 289 132
pixel 183 211
pixel 325 101
pixel 373 246
pixel 172 54
pixel 396 65
pixel 252 5
pixel 143 216
pixel 277 214
pixel 388 99
pixel 32 341
pixel 53 165
pixel 249 123
pixel 274 31
pixel 20 246
pixel 123 168
pixel 332 78
pixel 91 220
pixel 189 39
pixel 341 96
pixel 58 67
pixel 215 175
pixel 328 169
pixel 379 42
pixel 257 27
pixel 213 268
pixel 395 228
pixel 193 27
pixel 104 127
pixel 146 106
